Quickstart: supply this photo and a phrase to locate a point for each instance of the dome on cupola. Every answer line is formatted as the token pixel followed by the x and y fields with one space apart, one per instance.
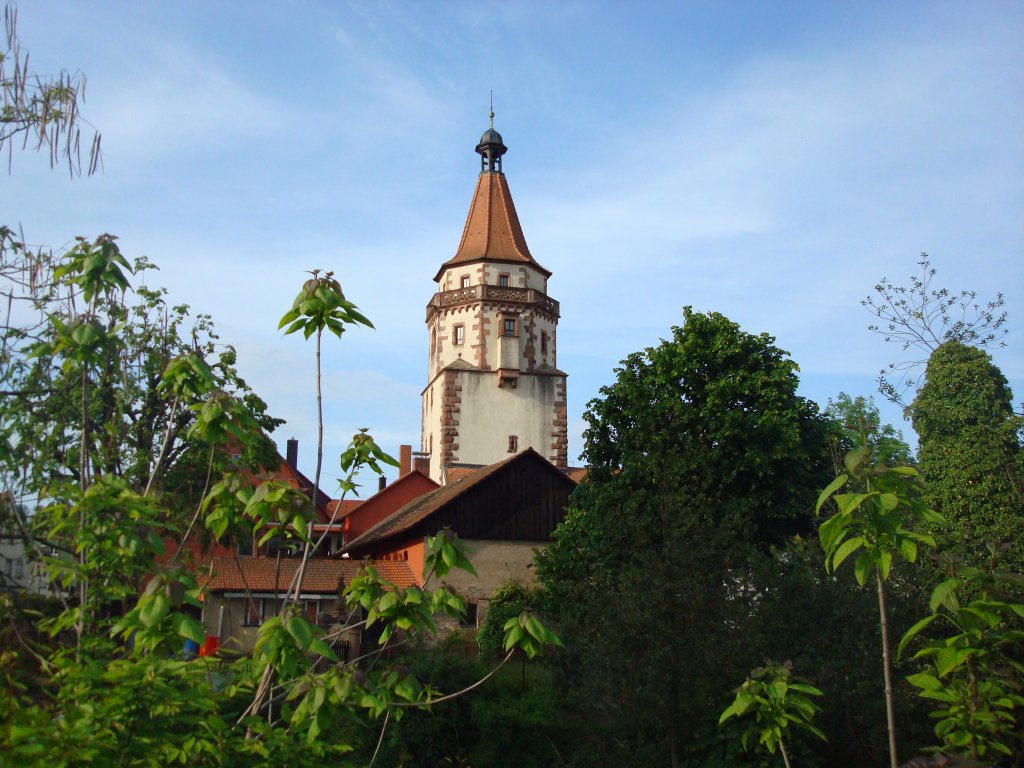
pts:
pixel 491 148
pixel 491 136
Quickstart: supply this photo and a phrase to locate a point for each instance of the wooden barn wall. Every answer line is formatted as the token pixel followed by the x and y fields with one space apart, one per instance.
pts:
pixel 519 504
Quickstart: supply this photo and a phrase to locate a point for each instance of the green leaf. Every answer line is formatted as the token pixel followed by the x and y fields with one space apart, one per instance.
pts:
pixel 831 488
pixel 944 594
pixel 847 548
pixel 884 561
pixel 153 610
pixel 862 567
pixel 804 688
pixel 948 659
pixel 188 627
pixel 908 550
pixel 856 458
pixel 832 530
pixel 301 630
pixel 913 632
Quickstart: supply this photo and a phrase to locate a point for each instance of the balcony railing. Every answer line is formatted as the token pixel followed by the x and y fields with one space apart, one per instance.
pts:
pixel 493 293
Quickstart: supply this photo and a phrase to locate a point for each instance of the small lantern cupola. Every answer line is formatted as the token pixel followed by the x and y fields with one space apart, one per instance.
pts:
pixel 491 148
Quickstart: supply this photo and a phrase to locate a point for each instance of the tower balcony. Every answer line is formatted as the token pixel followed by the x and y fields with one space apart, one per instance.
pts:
pixel 495 294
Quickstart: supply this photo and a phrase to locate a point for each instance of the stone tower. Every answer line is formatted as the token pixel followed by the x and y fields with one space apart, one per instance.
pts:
pixel 493 386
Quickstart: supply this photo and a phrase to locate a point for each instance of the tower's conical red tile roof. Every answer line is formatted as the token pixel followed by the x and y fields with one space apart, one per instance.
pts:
pixel 492 231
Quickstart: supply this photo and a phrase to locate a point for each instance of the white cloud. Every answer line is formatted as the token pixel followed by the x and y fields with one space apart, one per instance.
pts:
pixel 175 99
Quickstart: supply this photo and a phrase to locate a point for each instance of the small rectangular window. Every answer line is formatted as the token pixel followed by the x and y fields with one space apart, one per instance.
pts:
pixel 503 280
pixel 509 328
pixel 465 281
pixel 469 621
pixel 459 334
pixel 244 545
pixel 544 342
pixel 253 612
pixel 513 443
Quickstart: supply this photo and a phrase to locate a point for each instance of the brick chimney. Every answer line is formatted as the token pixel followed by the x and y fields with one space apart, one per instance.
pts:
pixel 404 460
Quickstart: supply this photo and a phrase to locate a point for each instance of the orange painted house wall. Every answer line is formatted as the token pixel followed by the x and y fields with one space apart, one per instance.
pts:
pixel 395 496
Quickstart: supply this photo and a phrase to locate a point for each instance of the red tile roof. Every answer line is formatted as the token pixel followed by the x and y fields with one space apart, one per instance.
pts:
pixel 345 508
pixel 452 474
pixel 322 575
pixel 576 474
pixel 492 229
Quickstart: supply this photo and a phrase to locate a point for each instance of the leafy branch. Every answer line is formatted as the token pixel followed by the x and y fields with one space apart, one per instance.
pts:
pixel 42 111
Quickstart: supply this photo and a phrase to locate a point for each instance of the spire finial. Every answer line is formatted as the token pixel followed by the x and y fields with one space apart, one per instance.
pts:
pixel 491 115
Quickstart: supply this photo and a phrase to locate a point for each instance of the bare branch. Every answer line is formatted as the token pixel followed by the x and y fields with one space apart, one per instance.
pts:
pixel 922 318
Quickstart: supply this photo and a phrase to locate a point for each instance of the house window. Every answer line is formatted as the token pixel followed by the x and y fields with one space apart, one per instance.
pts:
pixel 544 342
pixel 464 282
pixel 503 280
pixel 513 443
pixel 509 327
pixel 312 610
pixel 253 612
pixel 244 545
pixel 469 621
pixel 460 334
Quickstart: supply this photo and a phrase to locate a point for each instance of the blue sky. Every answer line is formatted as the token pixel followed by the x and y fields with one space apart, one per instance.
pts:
pixel 770 161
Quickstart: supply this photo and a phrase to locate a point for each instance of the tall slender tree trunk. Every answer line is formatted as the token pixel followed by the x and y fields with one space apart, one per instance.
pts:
pixel 785 757
pixel 308 548
pixel 83 484
pixel 890 716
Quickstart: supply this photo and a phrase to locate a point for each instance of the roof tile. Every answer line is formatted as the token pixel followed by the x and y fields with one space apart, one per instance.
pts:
pixel 322 575
pixel 492 230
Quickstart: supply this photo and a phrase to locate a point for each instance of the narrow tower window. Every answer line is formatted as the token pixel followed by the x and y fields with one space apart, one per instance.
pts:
pixel 465 281
pixel 509 328
pixel 460 333
pixel 513 443
pixel 503 280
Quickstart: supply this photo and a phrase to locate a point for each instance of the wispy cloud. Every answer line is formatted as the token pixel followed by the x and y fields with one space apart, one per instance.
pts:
pixel 175 99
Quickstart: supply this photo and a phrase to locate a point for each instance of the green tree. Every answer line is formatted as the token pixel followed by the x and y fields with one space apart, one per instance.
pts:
pixel 700 451
pixel 857 423
pixel 109 689
pixel 970 454
pixel 876 521
pixel 111 410
pixel 790 592
pixel 511 599
pixel 974 674
pixel 777 700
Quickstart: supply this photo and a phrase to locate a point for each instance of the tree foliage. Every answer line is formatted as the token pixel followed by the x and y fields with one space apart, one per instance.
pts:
pixel 107 687
pixel 111 380
pixel 857 423
pixel 700 452
pixel 974 673
pixel 882 518
pixel 970 453
pixel 42 111
pixel 922 318
pixel 776 700
pixel 511 599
